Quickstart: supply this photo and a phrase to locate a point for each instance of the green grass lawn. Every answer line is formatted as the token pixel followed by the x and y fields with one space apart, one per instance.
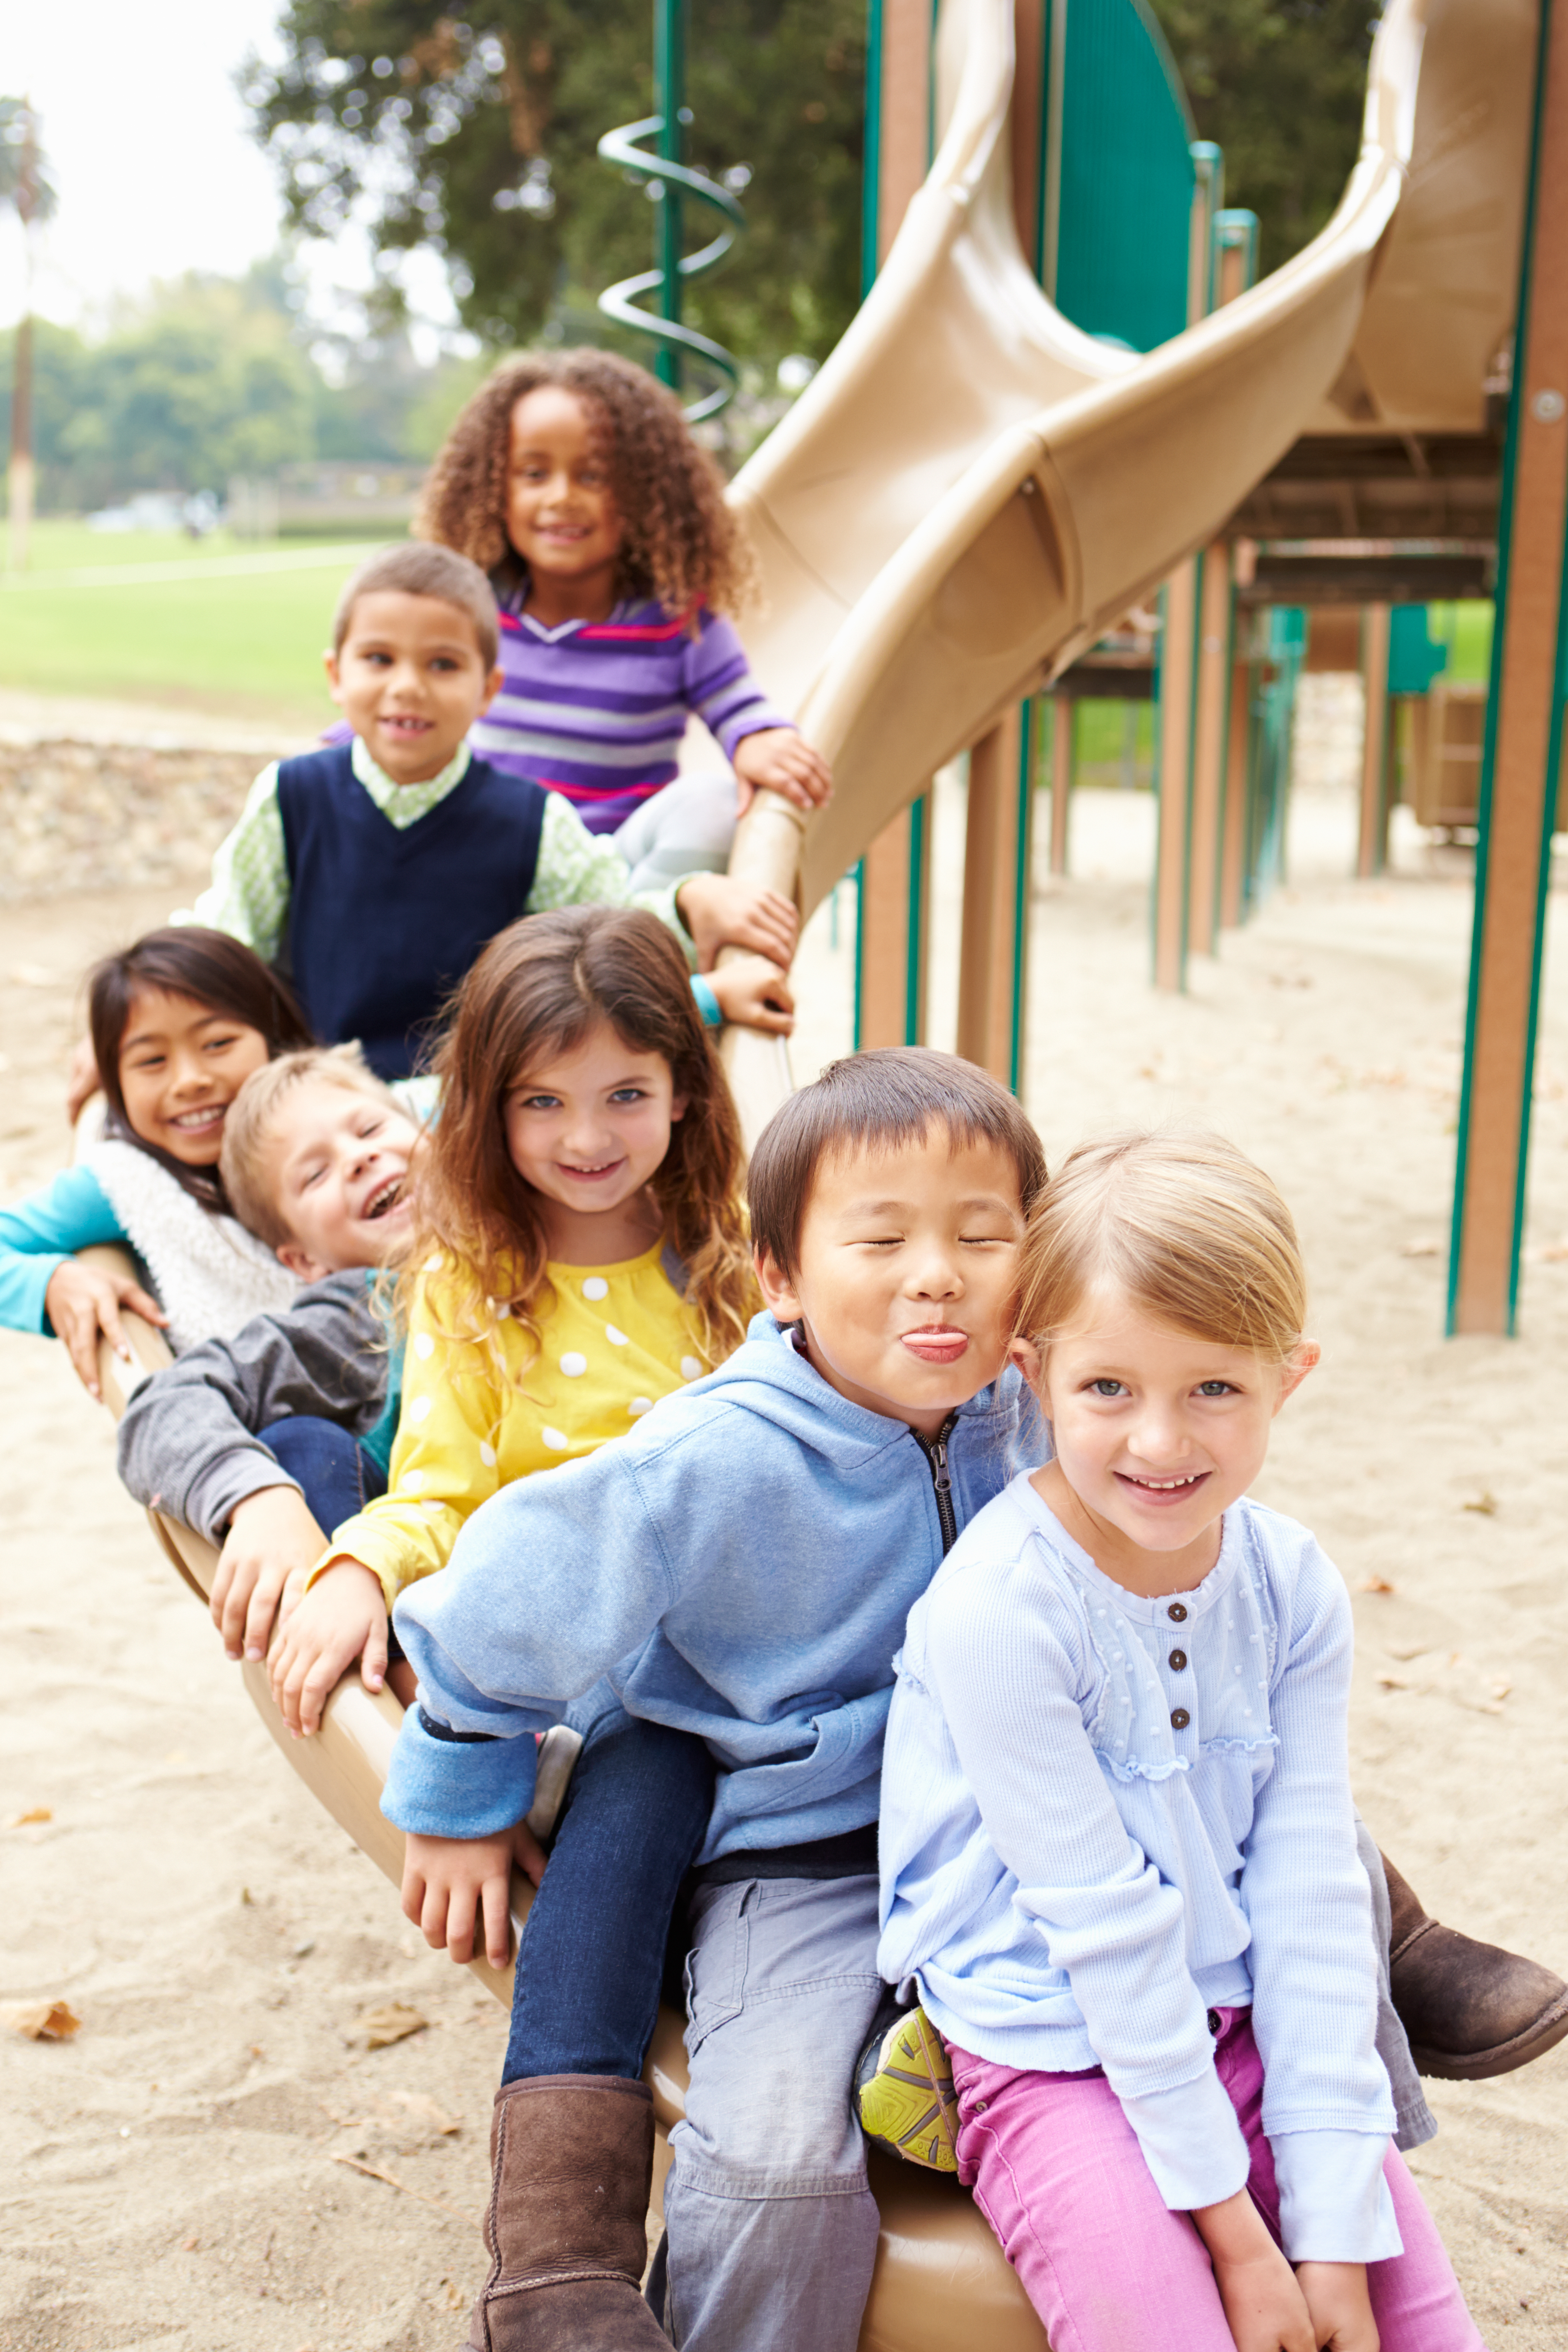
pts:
pixel 249 645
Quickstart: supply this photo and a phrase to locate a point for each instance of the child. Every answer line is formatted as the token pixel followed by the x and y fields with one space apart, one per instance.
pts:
pixel 573 478
pixel 264 1441
pixel 380 866
pixel 740 1565
pixel 178 1024
pixel 1119 1853
pixel 581 1174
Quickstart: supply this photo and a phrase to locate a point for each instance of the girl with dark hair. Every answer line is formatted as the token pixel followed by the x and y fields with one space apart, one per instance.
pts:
pixel 178 1022
pixel 573 478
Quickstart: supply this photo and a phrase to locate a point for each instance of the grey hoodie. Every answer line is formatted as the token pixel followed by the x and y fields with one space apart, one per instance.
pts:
pixel 189 1442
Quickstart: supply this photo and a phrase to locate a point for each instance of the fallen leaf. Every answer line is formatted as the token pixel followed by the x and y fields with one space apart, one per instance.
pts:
pixel 1422 1249
pixel 34 1813
pixel 396 2022
pixel 189 2245
pixel 373 2172
pixel 44 2020
pixel 1501 1690
pixel 1376 1584
pixel 1486 1503
pixel 1393 1682
pixel 417 2104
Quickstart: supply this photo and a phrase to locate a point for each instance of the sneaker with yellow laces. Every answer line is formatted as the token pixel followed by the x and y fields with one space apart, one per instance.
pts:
pixel 903 2091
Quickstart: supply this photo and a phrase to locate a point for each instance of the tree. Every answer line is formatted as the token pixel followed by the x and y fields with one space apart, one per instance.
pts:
pixel 476 136
pixel 1279 86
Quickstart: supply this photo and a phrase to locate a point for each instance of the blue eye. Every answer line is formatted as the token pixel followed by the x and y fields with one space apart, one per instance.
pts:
pixel 1215 1388
pixel 1107 1387
pixel 628 1094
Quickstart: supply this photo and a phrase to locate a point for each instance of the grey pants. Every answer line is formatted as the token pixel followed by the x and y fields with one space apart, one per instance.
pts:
pixel 1416 2124
pixel 686 829
pixel 773 2229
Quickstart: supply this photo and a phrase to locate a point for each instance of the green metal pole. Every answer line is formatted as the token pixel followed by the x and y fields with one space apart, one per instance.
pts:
pixel 670 101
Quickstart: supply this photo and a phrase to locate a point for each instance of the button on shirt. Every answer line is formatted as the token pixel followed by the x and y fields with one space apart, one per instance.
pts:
pixel 1076 1873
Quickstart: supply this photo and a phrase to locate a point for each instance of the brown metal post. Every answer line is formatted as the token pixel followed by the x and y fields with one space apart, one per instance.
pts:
pixel 1173 726
pixel 1213 711
pixel 1233 831
pixel 989 976
pixel 1372 846
pixel 1064 775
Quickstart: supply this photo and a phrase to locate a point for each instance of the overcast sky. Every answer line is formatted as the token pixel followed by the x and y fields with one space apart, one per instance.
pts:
pixel 149 146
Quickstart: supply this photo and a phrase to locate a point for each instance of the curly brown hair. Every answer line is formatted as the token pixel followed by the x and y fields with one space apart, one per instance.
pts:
pixel 535 993
pixel 682 544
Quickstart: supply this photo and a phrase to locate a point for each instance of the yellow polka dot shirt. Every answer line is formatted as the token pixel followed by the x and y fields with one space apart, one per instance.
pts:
pixel 614 1341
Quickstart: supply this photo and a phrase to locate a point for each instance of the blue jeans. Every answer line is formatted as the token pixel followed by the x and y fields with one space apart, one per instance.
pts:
pixel 337 1476
pixel 586 1986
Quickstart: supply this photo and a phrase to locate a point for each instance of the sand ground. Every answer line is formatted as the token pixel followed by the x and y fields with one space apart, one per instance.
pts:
pixel 168 2177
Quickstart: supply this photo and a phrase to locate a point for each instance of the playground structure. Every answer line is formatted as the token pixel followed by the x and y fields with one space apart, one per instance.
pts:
pixel 1019 487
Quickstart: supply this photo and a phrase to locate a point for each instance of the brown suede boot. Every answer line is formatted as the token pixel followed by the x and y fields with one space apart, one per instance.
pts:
pixel 572 2167
pixel 1471 2009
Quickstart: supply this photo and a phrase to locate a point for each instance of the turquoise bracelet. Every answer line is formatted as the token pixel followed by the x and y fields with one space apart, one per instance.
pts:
pixel 707 1003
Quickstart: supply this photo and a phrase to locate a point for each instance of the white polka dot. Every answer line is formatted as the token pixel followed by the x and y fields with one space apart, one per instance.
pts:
pixel 617 1338
pixel 411 1481
pixel 424 1346
pixel 573 1365
pixel 433 1264
pixel 432 1509
pixel 502 1313
pixel 420 1410
pixel 595 1286
pixel 554 1439
pixel 691 1367
pixel 639 1405
pixel 488 1456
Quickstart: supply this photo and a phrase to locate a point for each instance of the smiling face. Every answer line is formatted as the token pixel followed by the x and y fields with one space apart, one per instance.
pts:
pixel 908 1274
pixel 410 680
pixel 181 1065
pixel 339 1161
pixel 585 1129
pixel 562 516
pixel 1157 1434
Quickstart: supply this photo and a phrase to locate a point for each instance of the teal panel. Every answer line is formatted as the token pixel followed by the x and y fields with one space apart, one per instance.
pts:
pixel 1126 185
pixel 1414 661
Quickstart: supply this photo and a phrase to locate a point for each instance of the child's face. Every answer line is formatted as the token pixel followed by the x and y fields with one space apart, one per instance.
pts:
pixel 589 1128
pixel 340 1160
pixel 562 516
pixel 1156 1434
pixel 908 1276
pixel 411 680
pixel 181 1065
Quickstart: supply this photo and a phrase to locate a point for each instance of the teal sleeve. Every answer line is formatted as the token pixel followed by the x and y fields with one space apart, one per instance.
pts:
pixel 38 1236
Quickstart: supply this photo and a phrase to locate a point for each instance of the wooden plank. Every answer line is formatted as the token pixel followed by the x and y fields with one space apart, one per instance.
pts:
pixel 1233 823
pixel 995 852
pixel 1210 719
pixel 883 944
pixel 1372 839
pixel 1064 775
pixel 1173 726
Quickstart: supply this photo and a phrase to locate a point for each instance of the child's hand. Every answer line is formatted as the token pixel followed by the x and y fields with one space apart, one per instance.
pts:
pixel 780 758
pixel 82 1080
pixel 450 1885
pixel 342 1618
pixel 719 912
pixel 80 1301
pixel 1265 2309
pixel 1338 2304
pixel 754 992
pixel 273 1541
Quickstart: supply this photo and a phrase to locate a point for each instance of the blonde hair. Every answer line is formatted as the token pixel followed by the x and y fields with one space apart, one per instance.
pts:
pixel 246 1160
pixel 1191 1229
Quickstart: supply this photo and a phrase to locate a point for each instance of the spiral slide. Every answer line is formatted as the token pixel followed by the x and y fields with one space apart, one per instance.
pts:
pixel 968 494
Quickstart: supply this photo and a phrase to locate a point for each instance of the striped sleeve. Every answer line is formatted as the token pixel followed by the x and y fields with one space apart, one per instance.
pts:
pixel 720 687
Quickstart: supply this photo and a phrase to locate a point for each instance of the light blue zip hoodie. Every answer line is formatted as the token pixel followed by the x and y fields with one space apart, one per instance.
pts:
pixel 739 1565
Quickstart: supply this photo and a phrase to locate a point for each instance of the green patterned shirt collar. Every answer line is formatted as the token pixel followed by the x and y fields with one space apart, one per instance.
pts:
pixel 405 805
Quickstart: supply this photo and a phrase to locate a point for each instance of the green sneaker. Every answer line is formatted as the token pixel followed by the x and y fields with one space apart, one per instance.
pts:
pixel 903 2091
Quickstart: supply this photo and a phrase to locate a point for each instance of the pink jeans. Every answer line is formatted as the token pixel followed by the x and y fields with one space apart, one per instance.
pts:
pixel 1057 2170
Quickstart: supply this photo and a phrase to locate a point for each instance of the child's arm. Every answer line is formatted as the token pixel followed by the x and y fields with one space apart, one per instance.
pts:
pixel 780 759
pixel 1265 2307
pixel 761 743
pixel 42 1290
pixel 249 894
pixel 452 1886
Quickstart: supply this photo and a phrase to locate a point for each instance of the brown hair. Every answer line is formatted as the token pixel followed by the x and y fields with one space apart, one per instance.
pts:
pixel 209 967
pixel 1189 1228
pixel 246 1160
pixel 418 569
pixel 884 1101
pixel 681 544
pixel 536 991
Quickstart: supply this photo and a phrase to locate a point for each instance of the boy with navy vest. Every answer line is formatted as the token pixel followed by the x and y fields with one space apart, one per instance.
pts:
pixel 374 870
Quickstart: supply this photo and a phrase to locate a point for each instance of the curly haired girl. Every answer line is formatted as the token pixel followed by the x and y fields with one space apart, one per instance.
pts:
pixel 572 478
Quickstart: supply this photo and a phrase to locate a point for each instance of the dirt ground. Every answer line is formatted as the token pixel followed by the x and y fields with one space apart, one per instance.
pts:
pixel 171 2176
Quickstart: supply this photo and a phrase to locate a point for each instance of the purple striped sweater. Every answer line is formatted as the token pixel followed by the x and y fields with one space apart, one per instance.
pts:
pixel 597 709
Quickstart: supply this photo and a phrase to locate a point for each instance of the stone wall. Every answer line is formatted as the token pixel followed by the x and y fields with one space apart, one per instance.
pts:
pixel 89 816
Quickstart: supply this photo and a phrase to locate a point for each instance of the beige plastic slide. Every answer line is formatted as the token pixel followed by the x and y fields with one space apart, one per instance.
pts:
pixel 971 491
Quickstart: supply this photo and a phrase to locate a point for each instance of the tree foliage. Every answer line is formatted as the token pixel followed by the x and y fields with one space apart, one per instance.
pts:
pixel 1279 86
pixel 476 135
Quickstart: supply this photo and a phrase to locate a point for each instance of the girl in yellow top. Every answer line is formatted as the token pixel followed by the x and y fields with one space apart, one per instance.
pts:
pixel 581 1253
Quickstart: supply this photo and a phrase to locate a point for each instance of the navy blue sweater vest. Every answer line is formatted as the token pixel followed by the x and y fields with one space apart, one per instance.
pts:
pixel 383 924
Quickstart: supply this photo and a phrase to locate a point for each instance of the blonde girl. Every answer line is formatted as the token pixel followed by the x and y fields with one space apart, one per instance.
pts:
pixel 1119 1850
pixel 572 479
pixel 581 1252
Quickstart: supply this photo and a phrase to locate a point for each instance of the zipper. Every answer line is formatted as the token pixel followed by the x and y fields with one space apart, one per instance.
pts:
pixel 935 1452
